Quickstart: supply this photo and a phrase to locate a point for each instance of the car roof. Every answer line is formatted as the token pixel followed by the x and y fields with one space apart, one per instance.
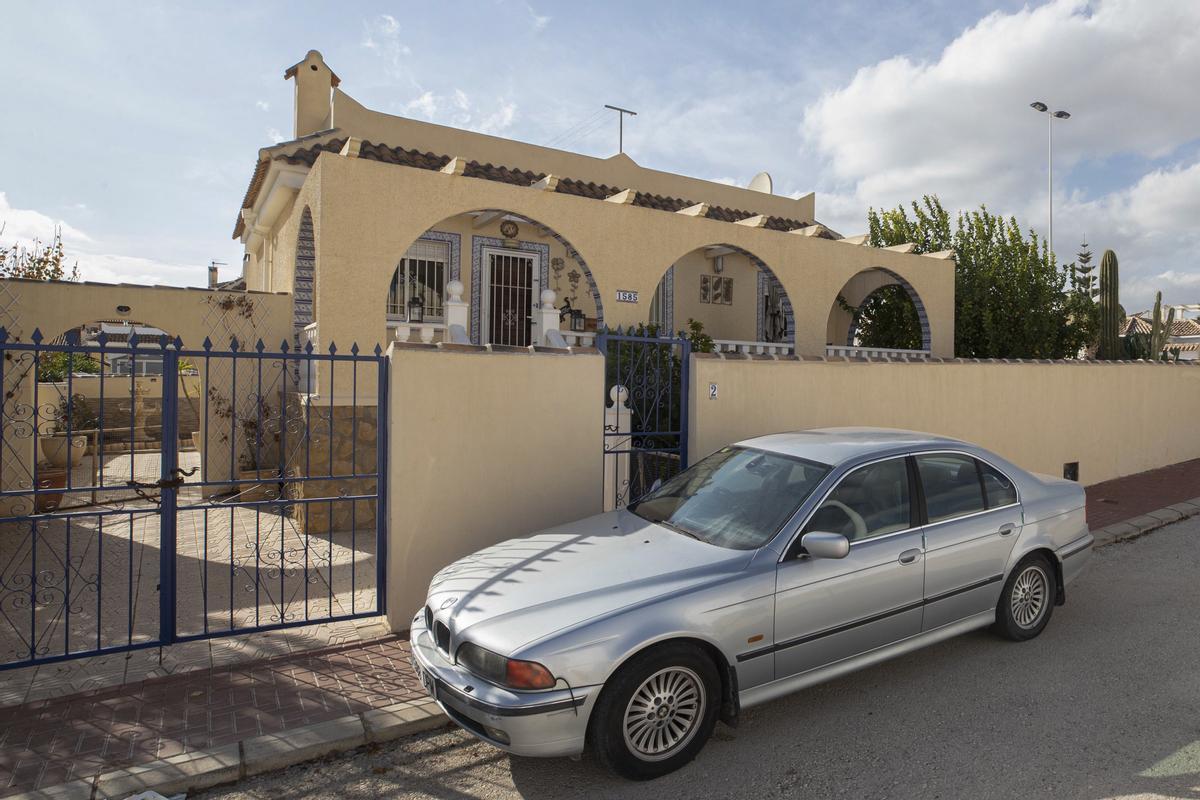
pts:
pixel 835 446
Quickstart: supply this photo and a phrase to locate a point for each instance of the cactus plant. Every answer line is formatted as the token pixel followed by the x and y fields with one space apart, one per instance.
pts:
pixel 1160 333
pixel 1110 309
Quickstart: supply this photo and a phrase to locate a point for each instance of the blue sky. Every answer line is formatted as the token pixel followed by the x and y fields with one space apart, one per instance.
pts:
pixel 136 126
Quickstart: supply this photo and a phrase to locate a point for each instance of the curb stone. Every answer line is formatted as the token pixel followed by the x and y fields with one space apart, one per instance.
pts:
pixel 203 769
pixel 1136 527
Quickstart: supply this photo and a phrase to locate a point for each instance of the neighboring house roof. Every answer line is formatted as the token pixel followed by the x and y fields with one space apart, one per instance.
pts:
pixel 307 156
pixel 1179 327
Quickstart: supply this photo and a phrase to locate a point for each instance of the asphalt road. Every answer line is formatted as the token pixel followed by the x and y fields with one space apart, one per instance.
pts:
pixel 1105 704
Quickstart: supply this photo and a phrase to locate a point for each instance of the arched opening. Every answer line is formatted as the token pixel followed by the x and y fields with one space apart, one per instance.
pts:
pixel 497 297
pixel 726 293
pixel 878 309
pixel 303 296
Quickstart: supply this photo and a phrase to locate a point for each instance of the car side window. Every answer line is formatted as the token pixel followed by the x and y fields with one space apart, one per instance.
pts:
pixel 999 488
pixel 870 501
pixel 952 485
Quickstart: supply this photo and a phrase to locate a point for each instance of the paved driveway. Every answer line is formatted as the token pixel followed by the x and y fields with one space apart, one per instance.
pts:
pixel 1105 704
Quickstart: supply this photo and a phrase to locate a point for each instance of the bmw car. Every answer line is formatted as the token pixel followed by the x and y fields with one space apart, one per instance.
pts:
pixel 769 566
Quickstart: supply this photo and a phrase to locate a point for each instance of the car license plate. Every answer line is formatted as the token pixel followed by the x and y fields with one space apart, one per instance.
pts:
pixel 426 680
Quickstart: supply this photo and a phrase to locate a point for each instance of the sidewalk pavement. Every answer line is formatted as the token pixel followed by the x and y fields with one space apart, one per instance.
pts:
pixel 217 724
pixel 1137 495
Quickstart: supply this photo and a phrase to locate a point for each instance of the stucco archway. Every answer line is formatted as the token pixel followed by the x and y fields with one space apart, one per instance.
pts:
pixel 730 290
pixel 463 248
pixel 842 325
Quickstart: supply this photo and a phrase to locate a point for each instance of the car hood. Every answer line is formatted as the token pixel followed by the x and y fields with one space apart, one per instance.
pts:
pixel 522 590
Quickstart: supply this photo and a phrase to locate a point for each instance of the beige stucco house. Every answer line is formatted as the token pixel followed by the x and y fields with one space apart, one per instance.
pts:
pixel 384 227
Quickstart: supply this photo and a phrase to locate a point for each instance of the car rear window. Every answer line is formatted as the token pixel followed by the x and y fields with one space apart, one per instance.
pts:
pixel 952 485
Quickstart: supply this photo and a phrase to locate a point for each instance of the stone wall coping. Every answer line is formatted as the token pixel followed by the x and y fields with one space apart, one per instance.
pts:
pixel 205 289
pixel 1016 362
pixel 494 349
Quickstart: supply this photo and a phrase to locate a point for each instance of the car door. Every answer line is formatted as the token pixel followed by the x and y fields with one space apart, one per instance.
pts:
pixel 830 609
pixel 973 520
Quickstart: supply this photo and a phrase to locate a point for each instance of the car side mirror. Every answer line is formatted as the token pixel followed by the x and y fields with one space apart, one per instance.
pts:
pixel 819 544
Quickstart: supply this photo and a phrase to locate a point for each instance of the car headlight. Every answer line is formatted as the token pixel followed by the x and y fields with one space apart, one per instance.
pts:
pixel 510 672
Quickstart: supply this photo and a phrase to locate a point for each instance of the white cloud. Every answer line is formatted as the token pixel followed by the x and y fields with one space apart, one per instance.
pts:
pixel 500 119
pixel 426 105
pixel 24 226
pixel 960 126
pixel 275 135
pixel 96 261
pixel 539 21
pixel 457 109
pixel 262 105
pixel 382 35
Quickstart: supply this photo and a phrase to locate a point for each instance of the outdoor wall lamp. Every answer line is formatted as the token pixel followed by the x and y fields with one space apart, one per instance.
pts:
pixel 416 309
pixel 578 320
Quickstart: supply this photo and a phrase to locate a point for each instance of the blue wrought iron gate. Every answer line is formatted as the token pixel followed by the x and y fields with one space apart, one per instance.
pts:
pixel 151 493
pixel 646 414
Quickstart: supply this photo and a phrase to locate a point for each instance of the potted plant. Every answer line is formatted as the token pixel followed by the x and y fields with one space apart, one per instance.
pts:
pixel 60 452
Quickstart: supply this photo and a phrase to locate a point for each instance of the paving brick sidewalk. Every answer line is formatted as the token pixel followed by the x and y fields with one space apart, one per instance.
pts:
pixel 1134 495
pixel 51 741
pixel 48 742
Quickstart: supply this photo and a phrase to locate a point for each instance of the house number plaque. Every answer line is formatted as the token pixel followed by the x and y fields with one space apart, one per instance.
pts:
pixel 624 296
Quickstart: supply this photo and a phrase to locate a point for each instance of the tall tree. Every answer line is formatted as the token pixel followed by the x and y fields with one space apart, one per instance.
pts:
pixel 1083 278
pixel 1010 295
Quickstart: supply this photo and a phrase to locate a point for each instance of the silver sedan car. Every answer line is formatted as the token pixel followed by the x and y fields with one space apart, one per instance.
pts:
pixel 769 566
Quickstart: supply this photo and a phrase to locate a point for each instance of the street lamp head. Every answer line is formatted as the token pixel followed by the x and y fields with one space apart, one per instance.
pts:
pixel 1038 105
pixel 1062 115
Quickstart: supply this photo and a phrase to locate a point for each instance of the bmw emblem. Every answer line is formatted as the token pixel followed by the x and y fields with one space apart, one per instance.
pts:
pixel 448 602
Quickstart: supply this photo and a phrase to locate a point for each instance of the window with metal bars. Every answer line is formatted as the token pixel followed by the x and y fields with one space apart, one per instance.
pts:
pixel 421 273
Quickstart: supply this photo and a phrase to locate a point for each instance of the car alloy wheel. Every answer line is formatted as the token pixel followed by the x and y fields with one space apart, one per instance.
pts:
pixel 664 713
pixel 1029 597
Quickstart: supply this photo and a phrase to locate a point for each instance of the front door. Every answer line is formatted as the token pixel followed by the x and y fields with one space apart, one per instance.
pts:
pixel 830 609
pixel 511 287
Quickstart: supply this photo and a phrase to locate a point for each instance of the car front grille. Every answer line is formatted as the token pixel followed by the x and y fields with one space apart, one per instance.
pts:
pixel 441 635
pixel 428 618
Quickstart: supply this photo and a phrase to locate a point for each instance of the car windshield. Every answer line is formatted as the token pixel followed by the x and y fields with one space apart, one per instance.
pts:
pixel 738 497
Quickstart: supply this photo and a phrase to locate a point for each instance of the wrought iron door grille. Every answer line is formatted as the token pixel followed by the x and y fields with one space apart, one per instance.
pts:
pixel 510 292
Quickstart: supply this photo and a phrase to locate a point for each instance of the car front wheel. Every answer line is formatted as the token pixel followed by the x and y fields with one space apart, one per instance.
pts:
pixel 1027 600
pixel 656 712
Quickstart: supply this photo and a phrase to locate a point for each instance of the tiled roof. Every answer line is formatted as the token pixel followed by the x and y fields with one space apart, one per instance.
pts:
pixel 307 156
pixel 1185 327
pixel 1180 327
pixel 1135 325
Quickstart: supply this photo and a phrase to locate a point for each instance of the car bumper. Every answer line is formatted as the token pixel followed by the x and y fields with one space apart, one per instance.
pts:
pixel 1074 557
pixel 545 723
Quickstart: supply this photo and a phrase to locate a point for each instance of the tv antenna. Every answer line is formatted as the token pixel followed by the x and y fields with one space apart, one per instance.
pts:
pixel 621 112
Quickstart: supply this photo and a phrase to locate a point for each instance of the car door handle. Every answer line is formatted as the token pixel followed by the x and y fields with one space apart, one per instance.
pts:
pixel 1007 528
pixel 909 556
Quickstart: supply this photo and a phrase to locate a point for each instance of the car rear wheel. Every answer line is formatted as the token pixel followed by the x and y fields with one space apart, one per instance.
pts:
pixel 656 712
pixel 1027 600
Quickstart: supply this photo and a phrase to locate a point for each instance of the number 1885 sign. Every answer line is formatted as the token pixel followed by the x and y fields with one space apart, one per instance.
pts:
pixel 624 296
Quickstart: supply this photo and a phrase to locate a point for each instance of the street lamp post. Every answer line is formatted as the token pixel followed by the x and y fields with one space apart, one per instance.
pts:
pixel 1038 105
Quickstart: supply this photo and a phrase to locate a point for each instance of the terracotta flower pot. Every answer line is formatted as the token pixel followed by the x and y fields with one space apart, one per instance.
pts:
pixel 57 450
